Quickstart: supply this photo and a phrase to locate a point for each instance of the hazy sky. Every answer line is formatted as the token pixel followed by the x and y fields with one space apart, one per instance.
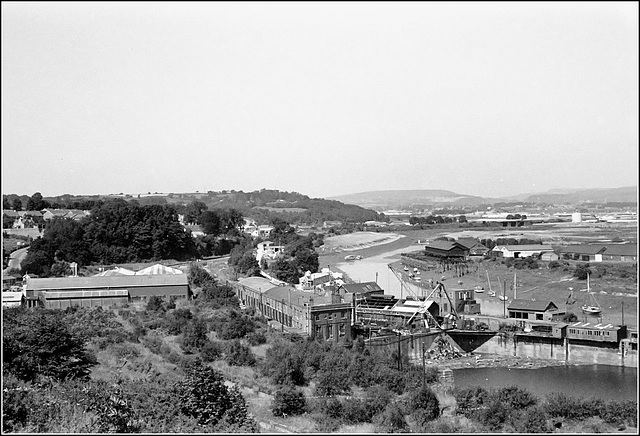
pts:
pixel 324 99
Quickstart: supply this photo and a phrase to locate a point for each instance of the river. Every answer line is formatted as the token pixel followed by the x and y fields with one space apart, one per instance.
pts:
pixel 580 381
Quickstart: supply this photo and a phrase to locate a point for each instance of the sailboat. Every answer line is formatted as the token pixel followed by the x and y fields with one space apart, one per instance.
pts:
pixel 594 309
pixel 503 297
pixel 493 294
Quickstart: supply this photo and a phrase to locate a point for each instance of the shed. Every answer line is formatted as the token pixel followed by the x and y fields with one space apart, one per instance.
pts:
pixel 532 310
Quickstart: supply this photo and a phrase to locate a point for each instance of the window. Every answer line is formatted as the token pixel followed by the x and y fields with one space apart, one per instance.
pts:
pixel 325 316
pixel 317 317
pixel 344 315
pixel 330 332
pixel 341 331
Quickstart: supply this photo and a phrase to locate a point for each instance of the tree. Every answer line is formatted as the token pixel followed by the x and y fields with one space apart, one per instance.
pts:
pixel 210 222
pixel 40 343
pixel 194 336
pixel 288 400
pixel 155 303
pixel 203 395
pixel 36 202
pixel 16 205
pixel 424 405
pixel 240 355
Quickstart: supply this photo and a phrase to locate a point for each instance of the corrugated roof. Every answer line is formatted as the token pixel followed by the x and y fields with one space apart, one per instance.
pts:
pixel 584 249
pixel 361 288
pixel 257 283
pixel 532 247
pixel 298 298
pixel 60 283
pixel 86 294
pixel 444 245
pixel 621 249
pixel 538 306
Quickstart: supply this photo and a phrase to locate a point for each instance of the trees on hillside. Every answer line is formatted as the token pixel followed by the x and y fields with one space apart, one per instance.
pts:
pixel 40 343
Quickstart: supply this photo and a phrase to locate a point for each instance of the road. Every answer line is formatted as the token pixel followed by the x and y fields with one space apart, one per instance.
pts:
pixel 16 258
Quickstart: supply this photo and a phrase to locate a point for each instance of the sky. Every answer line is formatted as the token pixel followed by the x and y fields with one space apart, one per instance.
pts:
pixel 323 99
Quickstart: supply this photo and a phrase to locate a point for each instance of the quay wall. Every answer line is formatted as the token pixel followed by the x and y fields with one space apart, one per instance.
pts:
pixel 565 350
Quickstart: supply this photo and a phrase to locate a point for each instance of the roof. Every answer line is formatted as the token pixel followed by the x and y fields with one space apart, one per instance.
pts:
pixel 534 247
pixel 621 249
pixel 468 242
pixel 117 271
pixel 10 213
pixel 411 307
pixel 257 283
pixel 536 306
pixel 583 249
pixel 158 269
pixel 69 283
pixel 598 326
pixel 444 245
pixel 361 288
pixel 298 298
pixel 86 294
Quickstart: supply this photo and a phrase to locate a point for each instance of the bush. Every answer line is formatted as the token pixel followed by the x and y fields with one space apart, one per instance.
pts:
pixel 155 304
pixel 424 405
pixel 288 400
pixel 391 419
pixel 256 338
pixel 239 355
pixel 211 351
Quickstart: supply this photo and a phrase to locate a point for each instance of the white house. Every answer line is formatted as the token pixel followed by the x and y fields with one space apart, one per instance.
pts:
pixel 521 250
pixel 268 250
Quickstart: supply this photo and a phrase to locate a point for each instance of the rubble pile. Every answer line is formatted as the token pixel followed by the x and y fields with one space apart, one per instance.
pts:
pixel 443 350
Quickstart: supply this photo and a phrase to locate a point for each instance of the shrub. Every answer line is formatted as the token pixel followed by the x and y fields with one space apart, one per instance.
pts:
pixel 288 400
pixel 391 419
pixel 155 304
pixel 211 351
pixel 424 405
pixel 203 395
pixel 531 420
pixel 256 338
pixel 239 355
pixel 513 397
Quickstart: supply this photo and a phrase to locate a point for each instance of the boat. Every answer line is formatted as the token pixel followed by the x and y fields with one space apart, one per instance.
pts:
pixel 589 309
pixel 503 297
pixel 478 289
pixel 406 269
pixel 493 294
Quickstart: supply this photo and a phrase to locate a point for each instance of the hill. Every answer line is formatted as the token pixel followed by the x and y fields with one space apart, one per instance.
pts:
pixel 408 199
pixel 414 199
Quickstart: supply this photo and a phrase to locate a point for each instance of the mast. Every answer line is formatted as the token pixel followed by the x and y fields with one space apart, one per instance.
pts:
pixel 514 285
pixel 489 280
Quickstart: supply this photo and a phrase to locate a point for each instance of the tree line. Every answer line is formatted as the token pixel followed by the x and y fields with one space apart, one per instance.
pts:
pixel 120 232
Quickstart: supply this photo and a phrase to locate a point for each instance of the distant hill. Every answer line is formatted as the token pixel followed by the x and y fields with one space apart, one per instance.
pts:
pixel 573 196
pixel 408 199
pixel 413 199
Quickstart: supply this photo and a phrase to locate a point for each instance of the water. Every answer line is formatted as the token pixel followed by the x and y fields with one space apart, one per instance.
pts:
pixel 376 269
pixel 583 381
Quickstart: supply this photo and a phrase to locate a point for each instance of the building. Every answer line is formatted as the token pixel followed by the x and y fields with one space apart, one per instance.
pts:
pixel 268 250
pixel 534 310
pixel 474 246
pixel 517 251
pixel 548 256
pixel 12 299
pixel 311 281
pixel 587 253
pixel 325 315
pixel 620 253
pixel 446 250
pixel 597 332
pixel 601 252
pixel 68 291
